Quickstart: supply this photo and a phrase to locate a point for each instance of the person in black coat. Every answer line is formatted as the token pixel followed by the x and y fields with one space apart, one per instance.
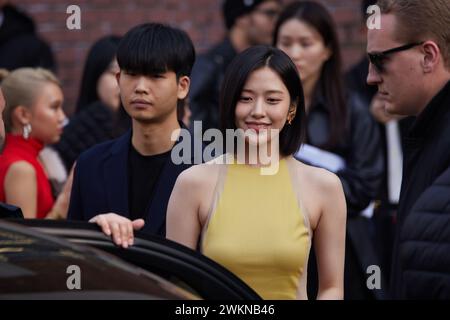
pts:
pixel 392 129
pixel 125 184
pixel 20 46
pixel 341 135
pixel 248 23
pixel 99 115
pixel 428 227
pixel 414 80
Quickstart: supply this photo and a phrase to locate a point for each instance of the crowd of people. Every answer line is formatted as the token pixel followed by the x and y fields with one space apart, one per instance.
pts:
pixel 362 158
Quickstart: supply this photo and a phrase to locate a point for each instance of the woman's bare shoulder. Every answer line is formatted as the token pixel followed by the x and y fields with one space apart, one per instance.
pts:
pixel 321 180
pixel 22 169
pixel 200 175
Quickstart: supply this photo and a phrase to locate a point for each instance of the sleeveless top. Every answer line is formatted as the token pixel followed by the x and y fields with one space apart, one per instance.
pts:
pixel 19 149
pixel 257 230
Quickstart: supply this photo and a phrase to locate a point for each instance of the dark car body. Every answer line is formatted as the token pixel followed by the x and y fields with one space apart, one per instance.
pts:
pixel 35 256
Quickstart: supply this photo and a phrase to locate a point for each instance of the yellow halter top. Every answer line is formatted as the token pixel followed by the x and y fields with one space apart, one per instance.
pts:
pixel 257 230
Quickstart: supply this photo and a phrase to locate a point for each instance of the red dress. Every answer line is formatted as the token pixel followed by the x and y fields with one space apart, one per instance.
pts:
pixel 19 149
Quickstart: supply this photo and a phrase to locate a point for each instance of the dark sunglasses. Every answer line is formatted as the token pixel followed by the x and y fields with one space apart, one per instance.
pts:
pixel 378 58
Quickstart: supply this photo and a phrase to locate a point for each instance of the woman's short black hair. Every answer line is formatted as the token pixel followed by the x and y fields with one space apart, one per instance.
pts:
pixel 154 48
pixel 99 58
pixel 250 60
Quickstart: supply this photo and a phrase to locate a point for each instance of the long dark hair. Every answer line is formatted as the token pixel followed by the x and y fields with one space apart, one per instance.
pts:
pixel 237 73
pixel 98 60
pixel 329 85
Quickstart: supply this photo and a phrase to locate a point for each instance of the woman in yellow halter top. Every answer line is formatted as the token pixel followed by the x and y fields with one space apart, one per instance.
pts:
pixel 255 209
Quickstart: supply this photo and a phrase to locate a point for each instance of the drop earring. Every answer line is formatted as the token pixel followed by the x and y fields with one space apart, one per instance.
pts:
pixel 26 131
pixel 291 116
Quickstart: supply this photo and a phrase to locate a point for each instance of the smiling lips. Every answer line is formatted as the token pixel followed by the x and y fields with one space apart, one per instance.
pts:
pixel 257 126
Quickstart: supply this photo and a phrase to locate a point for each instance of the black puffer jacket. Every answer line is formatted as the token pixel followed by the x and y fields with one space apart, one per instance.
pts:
pixel 95 124
pixel 425 244
pixel 426 158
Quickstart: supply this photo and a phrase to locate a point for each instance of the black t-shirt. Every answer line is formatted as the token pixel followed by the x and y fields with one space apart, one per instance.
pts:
pixel 143 173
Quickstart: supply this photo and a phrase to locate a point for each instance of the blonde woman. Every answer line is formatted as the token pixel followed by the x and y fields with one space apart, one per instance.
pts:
pixel 33 118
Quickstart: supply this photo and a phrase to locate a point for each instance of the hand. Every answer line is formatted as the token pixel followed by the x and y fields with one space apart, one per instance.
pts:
pixel 119 228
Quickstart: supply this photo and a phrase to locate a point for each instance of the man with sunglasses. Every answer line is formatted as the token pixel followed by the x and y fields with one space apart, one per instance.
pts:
pixel 410 63
pixel 249 23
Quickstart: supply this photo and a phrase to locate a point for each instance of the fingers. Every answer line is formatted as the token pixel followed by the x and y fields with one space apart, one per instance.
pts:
pixel 124 234
pixel 130 233
pixel 119 228
pixel 138 224
pixel 103 223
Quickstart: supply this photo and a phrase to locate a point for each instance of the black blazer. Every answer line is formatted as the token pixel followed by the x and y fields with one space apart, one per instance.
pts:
pixel 100 185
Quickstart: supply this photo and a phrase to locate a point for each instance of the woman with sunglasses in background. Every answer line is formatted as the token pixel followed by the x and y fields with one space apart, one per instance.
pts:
pixel 341 136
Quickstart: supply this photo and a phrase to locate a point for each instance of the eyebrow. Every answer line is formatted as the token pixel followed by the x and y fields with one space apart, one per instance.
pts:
pixel 268 91
pixel 308 37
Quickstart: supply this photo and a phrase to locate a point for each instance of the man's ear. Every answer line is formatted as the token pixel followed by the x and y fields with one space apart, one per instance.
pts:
pixel 432 56
pixel 183 87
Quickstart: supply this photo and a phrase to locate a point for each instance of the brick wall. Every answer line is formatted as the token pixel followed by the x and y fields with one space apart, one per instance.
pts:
pixel 200 18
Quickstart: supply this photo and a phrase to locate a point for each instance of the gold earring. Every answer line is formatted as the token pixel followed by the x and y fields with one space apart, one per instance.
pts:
pixel 291 114
pixel 291 117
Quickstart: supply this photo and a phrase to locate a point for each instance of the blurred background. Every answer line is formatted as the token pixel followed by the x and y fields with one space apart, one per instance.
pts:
pixel 202 19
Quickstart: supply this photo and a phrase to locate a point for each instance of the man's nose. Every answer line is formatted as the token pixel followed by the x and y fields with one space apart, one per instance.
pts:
pixel 373 77
pixel 141 86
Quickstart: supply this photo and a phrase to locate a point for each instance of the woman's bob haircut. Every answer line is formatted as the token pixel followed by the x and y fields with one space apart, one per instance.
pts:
pixel 250 60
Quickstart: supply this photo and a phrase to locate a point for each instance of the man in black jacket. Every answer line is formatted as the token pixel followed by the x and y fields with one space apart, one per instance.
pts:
pixel 125 184
pixel 411 67
pixel 391 129
pixel 249 22
pixel 427 228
